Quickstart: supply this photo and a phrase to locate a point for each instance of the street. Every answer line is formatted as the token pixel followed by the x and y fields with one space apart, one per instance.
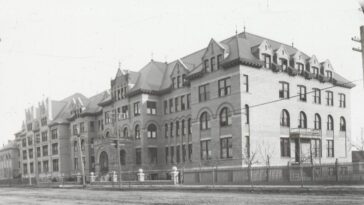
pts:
pixel 79 196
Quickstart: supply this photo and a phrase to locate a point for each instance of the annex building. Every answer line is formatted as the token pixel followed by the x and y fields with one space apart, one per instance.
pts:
pixel 246 96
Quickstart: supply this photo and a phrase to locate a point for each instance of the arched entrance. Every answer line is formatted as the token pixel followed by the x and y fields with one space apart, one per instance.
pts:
pixel 104 163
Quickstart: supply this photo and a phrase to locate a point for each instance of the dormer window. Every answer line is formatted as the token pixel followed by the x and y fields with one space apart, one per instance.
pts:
pixel 284 63
pixel 213 64
pixel 206 64
pixel 315 71
pixel 267 60
pixel 300 67
pixel 219 60
pixel 329 74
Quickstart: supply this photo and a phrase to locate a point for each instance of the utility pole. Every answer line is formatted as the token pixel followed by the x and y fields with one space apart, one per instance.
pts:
pixel 361 41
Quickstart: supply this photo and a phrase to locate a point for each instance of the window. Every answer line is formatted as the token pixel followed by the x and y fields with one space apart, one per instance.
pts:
pixel 226 147
pixel 316 147
pixel 165 105
pixel 315 71
pixel 176 108
pixel 342 124
pixel 125 132
pixel 138 156
pixel 342 102
pixel 245 83
pixel 329 74
pixel 302 120
pixel 219 60
pixel 283 63
pixel 75 163
pixel 29 126
pixel 302 93
pixel 55 148
pixel 137 132
pixel 45 150
pixel 330 123
pixel 213 64
pixel 38 152
pixel 152 151
pixel 330 148
pixel 183 105
pixel 166 130
pixel 125 112
pixel 177 128
pixel 190 152
pixel 75 146
pixel 184 153
pixel 171 130
pixel 285 121
pixel 225 117
pixel 43 121
pixel 329 98
pixel 39 166
pixel 31 167
pixel 82 127
pixel 174 82
pixel 204 121
pixel 55 165
pixel 317 122
pixel 152 131
pixel 316 95
pixel 205 149
pixel 206 65
pixel 284 90
pixel 204 93
pixel 189 126
pixel 45 166
pixel 25 154
pixel 30 152
pixel 136 109
pixel 267 60
pixel 247 114
pixel 285 147
pixel 300 68
pixel 30 140
pixel 166 156
pixel 179 82
pixel 178 155
pixel 188 101
pixel 224 87
pixel 107 121
pixel 171 105
pixel 74 127
pixel 172 154
pixel 25 168
pixel 83 145
pixel 24 142
pixel 183 127
pixel 92 126
pixel 37 138
pixel 151 107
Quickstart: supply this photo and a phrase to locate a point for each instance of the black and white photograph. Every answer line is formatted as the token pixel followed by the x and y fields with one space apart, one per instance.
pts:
pixel 181 102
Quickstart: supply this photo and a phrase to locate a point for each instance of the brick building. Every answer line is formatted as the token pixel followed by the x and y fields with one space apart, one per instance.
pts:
pixel 217 106
pixel 9 161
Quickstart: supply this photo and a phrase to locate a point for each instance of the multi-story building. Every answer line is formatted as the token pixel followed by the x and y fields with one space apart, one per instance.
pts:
pixel 9 161
pixel 221 105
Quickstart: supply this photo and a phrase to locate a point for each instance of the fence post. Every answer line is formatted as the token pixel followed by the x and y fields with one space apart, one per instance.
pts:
pixel 337 169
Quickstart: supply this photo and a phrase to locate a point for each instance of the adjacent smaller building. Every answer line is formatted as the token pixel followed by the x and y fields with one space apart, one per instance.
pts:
pixel 9 161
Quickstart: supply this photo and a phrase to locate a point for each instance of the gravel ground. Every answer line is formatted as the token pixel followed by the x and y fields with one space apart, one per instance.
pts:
pixel 91 197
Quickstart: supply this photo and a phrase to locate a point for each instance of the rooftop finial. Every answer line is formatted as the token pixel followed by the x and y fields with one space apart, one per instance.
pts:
pixel 151 55
pixel 119 66
pixel 236 29
pixel 292 44
pixel 244 35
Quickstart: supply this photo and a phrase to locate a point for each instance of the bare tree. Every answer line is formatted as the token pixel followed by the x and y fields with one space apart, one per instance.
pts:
pixel 249 158
pixel 360 145
pixel 266 152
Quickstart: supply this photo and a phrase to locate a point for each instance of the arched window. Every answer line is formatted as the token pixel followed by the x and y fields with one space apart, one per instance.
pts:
pixel 189 126
pixel 83 145
pixel 302 121
pixel 107 134
pixel 183 127
pixel 317 122
pixel 225 117
pixel 342 124
pixel 204 121
pixel 125 132
pixel 285 121
pixel 247 114
pixel 122 157
pixel 75 148
pixel 166 130
pixel 330 123
pixel 152 131
pixel 137 132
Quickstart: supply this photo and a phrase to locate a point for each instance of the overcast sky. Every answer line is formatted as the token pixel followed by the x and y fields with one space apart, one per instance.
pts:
pixel 56 48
